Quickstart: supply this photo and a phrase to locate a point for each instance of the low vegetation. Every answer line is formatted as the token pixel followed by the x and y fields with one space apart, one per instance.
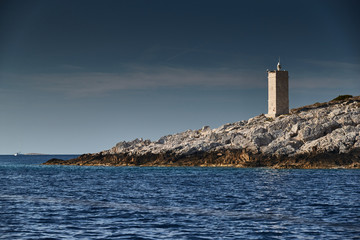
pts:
pixel 341 98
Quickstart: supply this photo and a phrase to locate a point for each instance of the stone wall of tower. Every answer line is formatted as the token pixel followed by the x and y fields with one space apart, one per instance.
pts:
pixel 278 93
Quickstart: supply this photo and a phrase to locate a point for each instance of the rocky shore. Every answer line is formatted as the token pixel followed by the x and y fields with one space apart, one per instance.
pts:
pixel 322 135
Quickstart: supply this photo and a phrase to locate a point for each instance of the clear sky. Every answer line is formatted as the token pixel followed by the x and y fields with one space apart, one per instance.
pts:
pixel 80 76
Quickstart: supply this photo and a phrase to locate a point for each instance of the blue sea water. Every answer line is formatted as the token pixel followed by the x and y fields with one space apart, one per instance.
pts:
pixel 70 202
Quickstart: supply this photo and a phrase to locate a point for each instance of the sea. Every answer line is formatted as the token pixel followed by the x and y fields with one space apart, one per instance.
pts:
pixel 73 202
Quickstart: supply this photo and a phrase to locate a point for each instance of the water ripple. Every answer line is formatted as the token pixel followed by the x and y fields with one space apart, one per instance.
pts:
pixel 67 202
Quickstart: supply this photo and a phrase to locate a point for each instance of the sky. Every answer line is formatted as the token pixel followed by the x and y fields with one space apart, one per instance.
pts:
pixel 80 76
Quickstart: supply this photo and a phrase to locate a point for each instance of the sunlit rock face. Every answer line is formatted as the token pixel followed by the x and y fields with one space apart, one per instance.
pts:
pixel 323 127
pixel 322 135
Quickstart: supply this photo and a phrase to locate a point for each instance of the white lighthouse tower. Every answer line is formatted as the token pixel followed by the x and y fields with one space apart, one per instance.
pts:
pixel 278 92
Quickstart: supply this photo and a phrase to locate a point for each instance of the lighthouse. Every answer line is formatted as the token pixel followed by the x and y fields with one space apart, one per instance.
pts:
pixel 278 92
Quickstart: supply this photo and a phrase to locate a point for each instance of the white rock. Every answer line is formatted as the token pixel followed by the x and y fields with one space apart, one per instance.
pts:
pixel 327 128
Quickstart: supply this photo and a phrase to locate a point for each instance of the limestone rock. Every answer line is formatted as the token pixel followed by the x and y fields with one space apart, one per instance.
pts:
pixel 325 127
pixel 321 129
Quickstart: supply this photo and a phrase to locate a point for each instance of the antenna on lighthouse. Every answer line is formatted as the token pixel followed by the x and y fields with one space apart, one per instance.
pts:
pixel 278 65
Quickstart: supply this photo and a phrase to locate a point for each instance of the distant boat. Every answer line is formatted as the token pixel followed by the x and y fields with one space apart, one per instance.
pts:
pixel 17 154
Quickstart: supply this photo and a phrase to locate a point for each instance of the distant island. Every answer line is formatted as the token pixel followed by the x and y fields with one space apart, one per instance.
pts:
pixel 321 135
pixel 36 154
pixel 19 154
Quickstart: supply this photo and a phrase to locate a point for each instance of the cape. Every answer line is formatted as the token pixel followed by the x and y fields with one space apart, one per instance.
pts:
pixel 321 135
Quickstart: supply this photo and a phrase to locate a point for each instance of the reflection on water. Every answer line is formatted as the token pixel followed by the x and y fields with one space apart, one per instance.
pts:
pixel 175 203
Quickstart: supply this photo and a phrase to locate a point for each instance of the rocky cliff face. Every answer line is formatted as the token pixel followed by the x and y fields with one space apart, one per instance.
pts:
pixel 330 130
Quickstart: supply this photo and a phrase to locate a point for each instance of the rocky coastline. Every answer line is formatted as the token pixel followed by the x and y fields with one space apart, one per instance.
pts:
pixel 322 135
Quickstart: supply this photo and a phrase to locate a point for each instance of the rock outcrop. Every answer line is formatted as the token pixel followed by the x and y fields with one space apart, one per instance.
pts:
pixel 322 135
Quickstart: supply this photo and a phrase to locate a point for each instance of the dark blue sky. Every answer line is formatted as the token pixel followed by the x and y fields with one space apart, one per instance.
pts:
pixel 79 76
